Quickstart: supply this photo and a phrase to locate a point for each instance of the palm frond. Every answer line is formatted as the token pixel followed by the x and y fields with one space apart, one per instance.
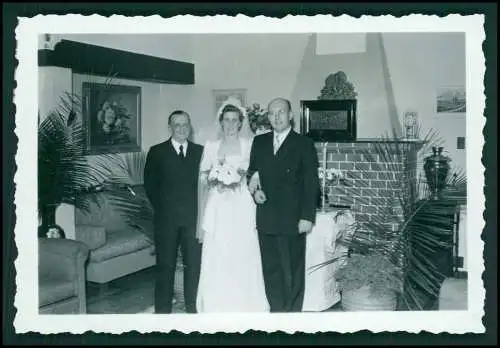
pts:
pixel 134 207
pixel 64 170
pixel 422 225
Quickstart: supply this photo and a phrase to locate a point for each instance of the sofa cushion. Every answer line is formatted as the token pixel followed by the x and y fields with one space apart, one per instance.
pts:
pixel 120 242
pixel 100 212
pixel 52 290
pixel 92 236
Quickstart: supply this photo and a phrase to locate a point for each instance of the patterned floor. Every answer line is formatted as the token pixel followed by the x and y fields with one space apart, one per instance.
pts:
pixel 135 294
pixel 132 294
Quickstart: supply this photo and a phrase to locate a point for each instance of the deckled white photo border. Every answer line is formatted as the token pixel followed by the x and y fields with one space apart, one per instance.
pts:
pixel 25 97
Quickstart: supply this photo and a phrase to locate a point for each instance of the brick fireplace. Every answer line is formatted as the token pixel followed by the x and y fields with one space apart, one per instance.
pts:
pixel 374 172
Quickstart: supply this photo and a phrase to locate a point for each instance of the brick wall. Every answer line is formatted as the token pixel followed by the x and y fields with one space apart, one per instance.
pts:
pixel 375 174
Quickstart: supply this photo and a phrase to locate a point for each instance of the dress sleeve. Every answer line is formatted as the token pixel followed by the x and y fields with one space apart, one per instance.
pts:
pixel 247 144
pixel 205 165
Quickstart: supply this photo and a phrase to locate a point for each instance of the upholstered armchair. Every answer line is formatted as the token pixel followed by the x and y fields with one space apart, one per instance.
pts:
pixel 61 276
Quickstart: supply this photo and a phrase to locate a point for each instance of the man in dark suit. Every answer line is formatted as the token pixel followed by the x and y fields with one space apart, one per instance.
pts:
pixel 286 164
pixel 171 184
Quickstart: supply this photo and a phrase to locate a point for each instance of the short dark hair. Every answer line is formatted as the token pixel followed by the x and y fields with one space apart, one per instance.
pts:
pixel 232 108
pixel 178 112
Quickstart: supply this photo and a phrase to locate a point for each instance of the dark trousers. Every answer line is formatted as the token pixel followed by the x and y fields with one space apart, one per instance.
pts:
pixel 283 265
pixel 167 246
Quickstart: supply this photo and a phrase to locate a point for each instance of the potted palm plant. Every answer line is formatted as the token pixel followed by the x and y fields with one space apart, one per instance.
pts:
pixel 395 254
pixel 63 169
pixel 369 282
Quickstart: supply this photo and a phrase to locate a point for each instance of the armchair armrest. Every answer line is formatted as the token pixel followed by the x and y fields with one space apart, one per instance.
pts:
pixel 63 258
pixel 91 235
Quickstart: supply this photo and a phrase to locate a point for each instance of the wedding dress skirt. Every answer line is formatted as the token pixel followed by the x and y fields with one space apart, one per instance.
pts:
pixel 231 278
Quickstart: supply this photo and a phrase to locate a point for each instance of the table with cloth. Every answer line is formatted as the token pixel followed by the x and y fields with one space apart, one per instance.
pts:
pixel 321 292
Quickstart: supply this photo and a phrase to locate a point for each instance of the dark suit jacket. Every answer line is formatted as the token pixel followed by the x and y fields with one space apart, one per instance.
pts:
pixel 171 184
pixel 289 179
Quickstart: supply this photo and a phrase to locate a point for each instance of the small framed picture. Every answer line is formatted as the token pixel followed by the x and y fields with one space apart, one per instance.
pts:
pixel 111 118
pixel 451 99
pixel 220 95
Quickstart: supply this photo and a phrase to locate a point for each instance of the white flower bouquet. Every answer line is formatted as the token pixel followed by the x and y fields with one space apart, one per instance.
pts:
pixel 330 175
pixel 225 176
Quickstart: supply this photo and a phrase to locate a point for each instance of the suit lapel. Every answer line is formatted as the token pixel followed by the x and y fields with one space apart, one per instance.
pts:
pixel 285 146
pixel 171 147
pixel 189 151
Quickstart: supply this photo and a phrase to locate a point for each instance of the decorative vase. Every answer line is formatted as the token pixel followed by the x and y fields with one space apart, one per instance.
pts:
pixel 49 228
pixel 436 167
pixel 363 299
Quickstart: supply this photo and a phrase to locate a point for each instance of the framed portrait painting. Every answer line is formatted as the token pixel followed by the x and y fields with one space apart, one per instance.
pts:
pixel 112 118
pixel 220 95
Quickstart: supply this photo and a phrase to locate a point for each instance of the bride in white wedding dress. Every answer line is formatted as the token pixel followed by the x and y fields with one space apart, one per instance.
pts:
pixel 231 278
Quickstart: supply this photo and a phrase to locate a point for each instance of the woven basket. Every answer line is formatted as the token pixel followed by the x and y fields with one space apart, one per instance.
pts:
pixel 362 300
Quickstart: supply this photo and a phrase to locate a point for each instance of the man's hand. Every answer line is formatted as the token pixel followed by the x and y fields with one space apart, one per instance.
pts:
pixel 305 226
pixel 259 196
pixel 254 183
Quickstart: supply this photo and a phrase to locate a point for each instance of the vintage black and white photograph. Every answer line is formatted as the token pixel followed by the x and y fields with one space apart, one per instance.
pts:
pixel 321 194
pixel 451 99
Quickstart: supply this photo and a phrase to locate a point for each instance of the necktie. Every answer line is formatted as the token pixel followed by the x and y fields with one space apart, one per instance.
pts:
pixel 181 151
pixel 276 143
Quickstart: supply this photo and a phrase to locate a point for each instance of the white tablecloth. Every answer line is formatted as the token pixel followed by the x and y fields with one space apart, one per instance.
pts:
pixel 320 289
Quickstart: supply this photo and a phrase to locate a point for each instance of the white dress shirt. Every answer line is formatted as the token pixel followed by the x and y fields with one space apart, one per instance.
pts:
pixel 281 138
pixel 177 146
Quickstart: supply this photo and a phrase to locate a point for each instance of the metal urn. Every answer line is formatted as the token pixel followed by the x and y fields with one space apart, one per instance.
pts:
pixel 437 167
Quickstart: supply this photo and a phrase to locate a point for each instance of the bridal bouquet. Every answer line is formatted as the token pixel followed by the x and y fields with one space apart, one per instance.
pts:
pixel 224 175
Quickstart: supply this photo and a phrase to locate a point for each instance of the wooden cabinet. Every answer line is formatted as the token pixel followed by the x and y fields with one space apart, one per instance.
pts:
pixel 445 215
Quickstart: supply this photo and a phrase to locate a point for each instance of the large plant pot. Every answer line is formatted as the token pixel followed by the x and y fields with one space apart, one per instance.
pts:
pixel 363 300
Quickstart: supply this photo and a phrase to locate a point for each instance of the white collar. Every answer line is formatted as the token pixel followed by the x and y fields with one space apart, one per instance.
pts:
pixel 177 145
pixel 283 134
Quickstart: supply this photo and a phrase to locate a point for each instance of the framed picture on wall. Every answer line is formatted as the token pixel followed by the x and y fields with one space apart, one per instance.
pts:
pixel 220 95
pixel 111 118
pixel 329 120
pixel 451 99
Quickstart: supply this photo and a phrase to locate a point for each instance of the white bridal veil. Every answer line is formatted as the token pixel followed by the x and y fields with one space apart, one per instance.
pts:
pixel 213 131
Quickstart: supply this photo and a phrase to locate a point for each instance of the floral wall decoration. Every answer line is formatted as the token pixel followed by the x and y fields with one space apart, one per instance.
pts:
pixel 257 119
pixel 337 87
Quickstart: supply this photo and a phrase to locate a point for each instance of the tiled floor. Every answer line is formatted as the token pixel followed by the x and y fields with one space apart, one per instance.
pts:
pixel 135 294
pixel 131 294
